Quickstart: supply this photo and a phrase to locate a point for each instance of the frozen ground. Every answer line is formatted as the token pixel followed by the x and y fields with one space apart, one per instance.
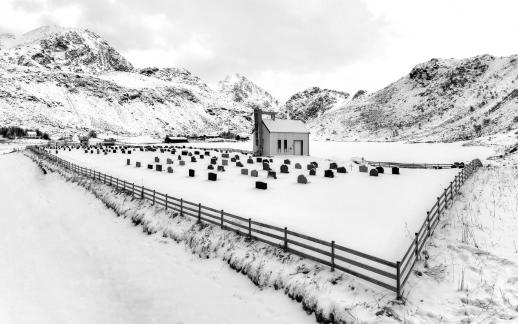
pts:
pixel 376 215
pixel 67 259
pixel 470 270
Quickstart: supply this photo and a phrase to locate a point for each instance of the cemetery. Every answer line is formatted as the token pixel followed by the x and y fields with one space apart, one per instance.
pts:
pixel 364 207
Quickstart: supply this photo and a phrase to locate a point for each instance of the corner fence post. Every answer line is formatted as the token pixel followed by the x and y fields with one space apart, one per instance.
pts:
pixel 332 255
pixel 417 246
pixel 398 280
pixel 199 213
pixel 222 212
pixel 285 239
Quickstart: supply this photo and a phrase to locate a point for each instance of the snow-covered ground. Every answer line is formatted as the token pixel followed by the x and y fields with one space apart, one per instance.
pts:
pixel 470 270
pixel 376 215
pixel 67 259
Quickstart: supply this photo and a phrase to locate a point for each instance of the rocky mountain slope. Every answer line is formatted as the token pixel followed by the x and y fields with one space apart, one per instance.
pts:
pixel 64 80
pixel 439 100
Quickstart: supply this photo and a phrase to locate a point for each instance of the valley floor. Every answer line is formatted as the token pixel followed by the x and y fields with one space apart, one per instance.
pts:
pixel 67 259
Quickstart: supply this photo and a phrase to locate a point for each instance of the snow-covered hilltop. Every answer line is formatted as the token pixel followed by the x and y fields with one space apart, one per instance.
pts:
pixel 313 102
pixel 439 100
pixel 67 80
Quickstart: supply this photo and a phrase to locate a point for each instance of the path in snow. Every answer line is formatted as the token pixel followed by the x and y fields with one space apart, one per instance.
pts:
pixel 67 259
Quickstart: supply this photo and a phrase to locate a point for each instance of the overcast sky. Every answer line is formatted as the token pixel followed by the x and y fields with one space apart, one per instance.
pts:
pixel 284 45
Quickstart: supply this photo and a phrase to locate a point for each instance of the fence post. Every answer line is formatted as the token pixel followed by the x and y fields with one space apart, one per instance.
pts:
pixel 181 206
pixel 142 193
pixel 398 279
pixel 428 221
pixel 222 212
pixel 199 213
pixel 417 246
pixel 165 201
pixel 117 183
pixel 445 198
pixel 285 239
pixel 332 255
pixel 154 196
pixel 249 228
pixel 438 208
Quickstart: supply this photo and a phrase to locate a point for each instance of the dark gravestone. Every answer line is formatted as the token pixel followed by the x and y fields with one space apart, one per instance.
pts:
pixel 302 179
pixel 259 159
pixel 329 173
pixel 395 170
pixel 159 167
pixel 190 154
pixel 193 159
pixel 310 166
pixel 266 166
pixel 333 166
pixel 272 174
pixel 312 172
pixel 157 159
pixel 236 157
pixel 315 164
pixel 373 173
pixel 239 164
pixel 137 164
pixel 150 166
pixel 261 185
pixel 232 160
pixel 380 170
pixel 254 173
pixel 207 153
pixel 169 161
pixel 284 168
pixel 169 170
pixel 287 161
pixel 210 167
pixel 202 157
pixel 341 170
pixel 225 155
pixel 179 157
pixel 298 166
pixel 129 152
pixel 128 161
pixel 184 152
pixel 161 150
pixel 250 161
pixel 213 176
pixel 191 173
pixel 182 162
pixel 213 161
pixel 363 168
pixel 196 152
pixel 221 168
pixel 244 171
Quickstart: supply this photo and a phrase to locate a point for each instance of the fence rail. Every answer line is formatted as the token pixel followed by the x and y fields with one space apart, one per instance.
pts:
pixel 387 274
pixel 415 165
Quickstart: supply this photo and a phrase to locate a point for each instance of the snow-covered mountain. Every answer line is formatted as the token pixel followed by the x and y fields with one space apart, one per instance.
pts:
pixel 313 102
pixel 68 80
pixel 242 90
pixel 439 100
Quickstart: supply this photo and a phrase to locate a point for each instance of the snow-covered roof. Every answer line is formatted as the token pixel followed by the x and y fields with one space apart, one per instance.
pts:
pixel 285 126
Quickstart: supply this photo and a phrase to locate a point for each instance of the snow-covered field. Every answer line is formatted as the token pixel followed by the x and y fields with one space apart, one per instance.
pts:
pixel 67 259
pixel 374 215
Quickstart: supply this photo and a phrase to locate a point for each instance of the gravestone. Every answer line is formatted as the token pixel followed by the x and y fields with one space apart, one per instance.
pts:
pixel 244 171
pixel 363 168
pixel 159 167
pixel 207 153
pixel 315 164
pixel 266 166
pixel 190 154
pixel 380 169
pixel 129 152
pixel 221 168
pixel 232 160
pixel 213 176
pixel 302 179
pixel 201 157
pixel 284 168
pixel 210 167
pixel 239 164
pixel 333 166
pixel 184 152
pixel 312 172
pixel 150 166
pixel 157 159
pixel 213 161
pixel 329 173
pixel 128 162
pixel 169 161
pixel 373 173
pixel 191 173
pixel 395 170
pixel 272 174
pixel 225 155
pixel 287 161
pixel 169 170
pixel 259 159
pixel 196 152
pixel 182 162
pixel 250 161
pixel 341 170
pixel 179 157
pixel 261 185
pixel 298 166
pixel 224 162
pixel 137 164
pixel 254 173
pixel 193 159
pixel 310 166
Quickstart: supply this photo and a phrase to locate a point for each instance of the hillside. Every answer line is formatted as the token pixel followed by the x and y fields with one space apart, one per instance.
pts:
pixel 66 80
pixel 439 100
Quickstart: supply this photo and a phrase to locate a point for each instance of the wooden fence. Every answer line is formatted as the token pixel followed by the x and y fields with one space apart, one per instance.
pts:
pixel 387 274
pixel 414 165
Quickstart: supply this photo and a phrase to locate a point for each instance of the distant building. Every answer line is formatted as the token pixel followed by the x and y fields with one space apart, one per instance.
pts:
pixel 31 134
pixel 109 142
pixel 175 139
pixel 279 136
